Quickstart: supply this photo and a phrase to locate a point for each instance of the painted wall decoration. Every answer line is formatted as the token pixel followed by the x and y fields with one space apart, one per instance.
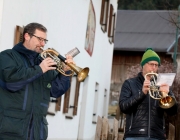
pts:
pixel 90 30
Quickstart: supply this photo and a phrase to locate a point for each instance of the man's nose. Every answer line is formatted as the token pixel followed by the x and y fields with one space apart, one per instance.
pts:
pixel 42 43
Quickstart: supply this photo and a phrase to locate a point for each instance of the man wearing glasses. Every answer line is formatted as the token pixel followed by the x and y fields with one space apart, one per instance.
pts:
pixel 144 116
pixel 26 84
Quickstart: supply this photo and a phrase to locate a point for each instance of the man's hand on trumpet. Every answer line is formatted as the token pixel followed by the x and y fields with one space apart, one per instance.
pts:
pixel 47 64
pixel 164 89
pixel 69 60
pixel 146 86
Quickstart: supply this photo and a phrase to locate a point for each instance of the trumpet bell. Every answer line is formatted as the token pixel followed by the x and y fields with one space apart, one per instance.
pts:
pixel 83 74
pixel 167 102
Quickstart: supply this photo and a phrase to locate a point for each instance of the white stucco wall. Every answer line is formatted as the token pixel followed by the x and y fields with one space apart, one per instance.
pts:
pixel 1 12
pixel 66 21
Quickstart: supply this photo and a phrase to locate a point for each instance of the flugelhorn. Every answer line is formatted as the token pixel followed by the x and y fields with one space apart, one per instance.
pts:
pixel 60 60
pixel 165 101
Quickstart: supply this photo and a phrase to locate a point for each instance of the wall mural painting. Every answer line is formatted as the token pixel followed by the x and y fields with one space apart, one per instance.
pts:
pixel 90 30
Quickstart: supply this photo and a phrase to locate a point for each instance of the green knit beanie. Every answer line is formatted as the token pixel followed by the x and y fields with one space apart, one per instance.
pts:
pixel 150 55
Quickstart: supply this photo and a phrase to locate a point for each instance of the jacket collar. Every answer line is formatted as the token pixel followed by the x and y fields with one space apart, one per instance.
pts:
pixel 31 55
pixel 141 77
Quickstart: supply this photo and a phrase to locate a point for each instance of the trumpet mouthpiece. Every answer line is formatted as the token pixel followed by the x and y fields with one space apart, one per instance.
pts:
pixel 41 48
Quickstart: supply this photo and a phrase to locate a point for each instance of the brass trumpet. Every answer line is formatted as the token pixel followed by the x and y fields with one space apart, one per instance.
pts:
pixel 60 60
pixel 165 101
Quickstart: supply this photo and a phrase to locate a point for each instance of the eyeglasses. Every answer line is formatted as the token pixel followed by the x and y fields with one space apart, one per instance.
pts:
pixel 40 39
pixel 152 64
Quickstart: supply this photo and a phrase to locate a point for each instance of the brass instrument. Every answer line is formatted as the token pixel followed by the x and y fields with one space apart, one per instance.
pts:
pixel 165 101
pixel 60 60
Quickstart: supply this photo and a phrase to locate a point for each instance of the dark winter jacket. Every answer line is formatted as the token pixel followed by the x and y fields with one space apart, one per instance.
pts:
pixel 25 94
pixel 144 116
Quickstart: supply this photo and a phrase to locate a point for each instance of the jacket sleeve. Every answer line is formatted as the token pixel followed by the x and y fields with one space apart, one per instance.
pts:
pixel 174 109
pixel 60 85
pixel 13 75
pixel 128 101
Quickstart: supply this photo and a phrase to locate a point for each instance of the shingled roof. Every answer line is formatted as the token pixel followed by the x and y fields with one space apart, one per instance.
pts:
pixel 139 29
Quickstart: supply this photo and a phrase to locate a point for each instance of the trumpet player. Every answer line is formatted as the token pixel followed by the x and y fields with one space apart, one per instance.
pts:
pixel 144 116
pixel 26 84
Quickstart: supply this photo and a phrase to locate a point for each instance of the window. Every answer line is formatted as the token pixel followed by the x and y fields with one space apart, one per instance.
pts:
pixel 58 104
pixel 105 103
pixel 66 100
pixel 71 99
pixel 111 24
pixel 94 120
pixel 104 14
pixel 76 97
pixel 52 106
pixel 70 105
pixel 18 35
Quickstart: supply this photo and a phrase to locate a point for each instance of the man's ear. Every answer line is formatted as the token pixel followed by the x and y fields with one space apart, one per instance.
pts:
pixel 26 36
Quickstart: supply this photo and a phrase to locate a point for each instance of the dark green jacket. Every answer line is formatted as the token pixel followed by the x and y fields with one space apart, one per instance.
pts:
pixel 25 94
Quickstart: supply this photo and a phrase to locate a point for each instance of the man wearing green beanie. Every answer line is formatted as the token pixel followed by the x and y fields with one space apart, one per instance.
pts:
pixel 144 115
pixel 150 55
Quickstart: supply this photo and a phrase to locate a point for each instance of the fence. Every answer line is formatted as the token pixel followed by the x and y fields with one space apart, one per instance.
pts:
pixel 105 132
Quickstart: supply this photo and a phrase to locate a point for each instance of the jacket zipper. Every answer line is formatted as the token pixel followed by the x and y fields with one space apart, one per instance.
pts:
pixel 30 125
pixel 149 118
pixel 26 89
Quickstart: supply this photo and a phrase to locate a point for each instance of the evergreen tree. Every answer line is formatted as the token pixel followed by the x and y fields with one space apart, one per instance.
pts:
pixel 148 4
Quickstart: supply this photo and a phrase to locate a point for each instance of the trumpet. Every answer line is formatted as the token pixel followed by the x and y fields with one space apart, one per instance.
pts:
pixel 60 60
pixel 165 101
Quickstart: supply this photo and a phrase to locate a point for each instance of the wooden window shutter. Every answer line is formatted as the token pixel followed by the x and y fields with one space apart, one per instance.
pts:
pixel 111 24
pixel 76 97
pixel 58 104
pixel 113 27
pixel 104 14
pixel 110 21
pixel 18 35
pixel 66 100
